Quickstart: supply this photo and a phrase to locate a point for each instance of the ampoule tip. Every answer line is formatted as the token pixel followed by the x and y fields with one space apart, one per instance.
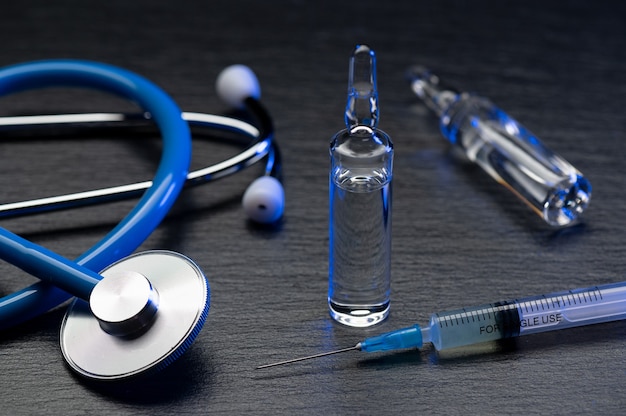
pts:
pixel 362 103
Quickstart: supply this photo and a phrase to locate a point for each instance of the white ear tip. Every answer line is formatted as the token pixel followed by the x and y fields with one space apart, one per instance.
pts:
pixel 236 83
pixel 264 200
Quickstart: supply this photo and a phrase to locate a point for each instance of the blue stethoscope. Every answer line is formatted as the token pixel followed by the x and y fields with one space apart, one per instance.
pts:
pixel 133 313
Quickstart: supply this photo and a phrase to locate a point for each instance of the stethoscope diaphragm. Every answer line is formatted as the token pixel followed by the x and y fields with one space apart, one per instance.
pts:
pixel 183 305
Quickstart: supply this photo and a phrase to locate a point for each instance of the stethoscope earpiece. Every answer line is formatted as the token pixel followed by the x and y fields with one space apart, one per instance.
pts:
pixel 236 83
pixel 264 200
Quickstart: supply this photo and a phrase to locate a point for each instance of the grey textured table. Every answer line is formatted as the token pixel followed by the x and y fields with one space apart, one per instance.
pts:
pixel 458 238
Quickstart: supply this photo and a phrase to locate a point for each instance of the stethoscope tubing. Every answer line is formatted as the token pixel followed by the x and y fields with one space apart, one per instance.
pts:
pixel 155 202
pixel 38 261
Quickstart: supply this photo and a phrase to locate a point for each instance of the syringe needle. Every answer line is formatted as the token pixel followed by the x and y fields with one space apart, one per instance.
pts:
pixel 410 337
pixel 357 347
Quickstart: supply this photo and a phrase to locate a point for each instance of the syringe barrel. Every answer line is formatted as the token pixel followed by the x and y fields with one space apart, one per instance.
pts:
pixel 474 325
pixel 572 308
pixel 529 315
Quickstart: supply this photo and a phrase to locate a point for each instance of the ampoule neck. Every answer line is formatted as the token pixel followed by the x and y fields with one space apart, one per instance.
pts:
pixel 362 100
pixel 428 87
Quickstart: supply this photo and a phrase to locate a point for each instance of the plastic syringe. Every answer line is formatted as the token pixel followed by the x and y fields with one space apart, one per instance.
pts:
pixel 501 320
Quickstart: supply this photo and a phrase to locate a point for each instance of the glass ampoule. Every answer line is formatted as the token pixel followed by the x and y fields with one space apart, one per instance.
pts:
pixel 507 151
pixel 360 204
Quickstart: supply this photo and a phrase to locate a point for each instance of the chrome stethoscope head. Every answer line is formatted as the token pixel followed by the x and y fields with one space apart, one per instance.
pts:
pixel 143 315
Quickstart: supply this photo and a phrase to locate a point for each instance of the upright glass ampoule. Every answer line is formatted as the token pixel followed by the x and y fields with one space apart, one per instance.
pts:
pixel 360 204
pixel 507 151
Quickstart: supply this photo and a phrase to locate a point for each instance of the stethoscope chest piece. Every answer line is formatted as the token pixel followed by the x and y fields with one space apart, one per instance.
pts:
pixel 143 315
